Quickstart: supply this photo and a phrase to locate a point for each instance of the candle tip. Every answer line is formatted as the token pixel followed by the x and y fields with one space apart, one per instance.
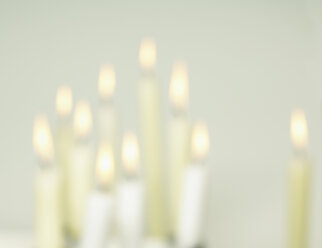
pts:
pixel 130 152
pixel 42 139
pixel 147 54
pixel 106 81
pixel 104 164
pixel 299 130
pixel 200 140
pixel 179 86
pixel 64 101
pixel 82 119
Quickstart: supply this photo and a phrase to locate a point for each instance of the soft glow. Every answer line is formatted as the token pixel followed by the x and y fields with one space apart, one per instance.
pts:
pixel 42 139
pixel 104 165
pixel 106 82
pixel 147 54
pixel 179 86
pixel 64 101
pixel 299 132
pixel 130 152
pixel 82 119
pixel 200 141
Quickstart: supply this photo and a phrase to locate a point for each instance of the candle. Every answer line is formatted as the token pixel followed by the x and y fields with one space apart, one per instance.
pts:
pixel 108 119
pixel 97 225
pixel 179 136
pixel 192 205
pixel 298 183
pixel 81 168
pixel 151 133
pixel 48 214
pixel 64 138
pixel 130 196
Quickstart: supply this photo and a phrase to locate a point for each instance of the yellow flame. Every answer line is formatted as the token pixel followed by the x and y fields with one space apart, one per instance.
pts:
pixel 105 164
pixel 179 86
pixel 64 101
pixel 106 82
pixel 147 54
pixel 130 152
pixel 200 141
pixel 42 139
pixel 299 131
pixel 82 119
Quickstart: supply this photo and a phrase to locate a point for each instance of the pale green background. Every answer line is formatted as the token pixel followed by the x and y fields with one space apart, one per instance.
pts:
pixel 250 64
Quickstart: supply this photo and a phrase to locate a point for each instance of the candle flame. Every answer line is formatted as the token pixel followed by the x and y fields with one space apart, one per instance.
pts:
pixel 130 152
pixel 147 54
pixel 64 101
pixel 106 82
pixel 82 119
pixel 42 139
pixel 299 131
pixel 104 164
pixel 179 86
pixel 200 141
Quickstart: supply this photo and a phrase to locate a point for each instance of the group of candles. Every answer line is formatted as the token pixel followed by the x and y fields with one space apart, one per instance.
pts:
pixel 95 200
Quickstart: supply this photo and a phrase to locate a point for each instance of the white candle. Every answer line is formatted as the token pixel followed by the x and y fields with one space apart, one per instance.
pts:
pixel 64 138
pixel 298 183
pixel 130 196
pixel 48 212
pixel 81 169
pixel 108 119
pixel 151 133
pixel 192 206
pixel 179 137
pixel 98 219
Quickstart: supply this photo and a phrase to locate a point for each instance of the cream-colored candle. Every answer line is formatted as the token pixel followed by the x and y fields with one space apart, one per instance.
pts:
pixel 64 138
pixel 48 211
pixel 108 119
pixel 98 218
pixel 192 205
pixel 299 183
pixel 130 202
pixel 81 169
pixel 151 133
pixel 179 137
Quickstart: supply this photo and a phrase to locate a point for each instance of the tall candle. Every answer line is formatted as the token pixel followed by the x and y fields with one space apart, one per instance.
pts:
pixel 108 119
pixel 151 133
pixel 48 212
pixel 64 138
pixel 130 196
pixel 98 218
pixel 81 169
pixel 298 183
pixel 192 205
pixel 179 136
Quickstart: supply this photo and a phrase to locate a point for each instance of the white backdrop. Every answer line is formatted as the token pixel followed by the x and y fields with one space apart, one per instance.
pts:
pixel 250 63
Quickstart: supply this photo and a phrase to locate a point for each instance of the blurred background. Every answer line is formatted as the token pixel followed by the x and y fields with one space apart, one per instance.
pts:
pixel 250 63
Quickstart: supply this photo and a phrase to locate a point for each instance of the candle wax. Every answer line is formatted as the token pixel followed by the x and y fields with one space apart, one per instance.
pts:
pixel 178 155
pixel 192 207
pixel 64 145
pixel 151 133
pixel 130 210
pixel 82 167
pixel 298 183
pixel 48 209
pixel 97 223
